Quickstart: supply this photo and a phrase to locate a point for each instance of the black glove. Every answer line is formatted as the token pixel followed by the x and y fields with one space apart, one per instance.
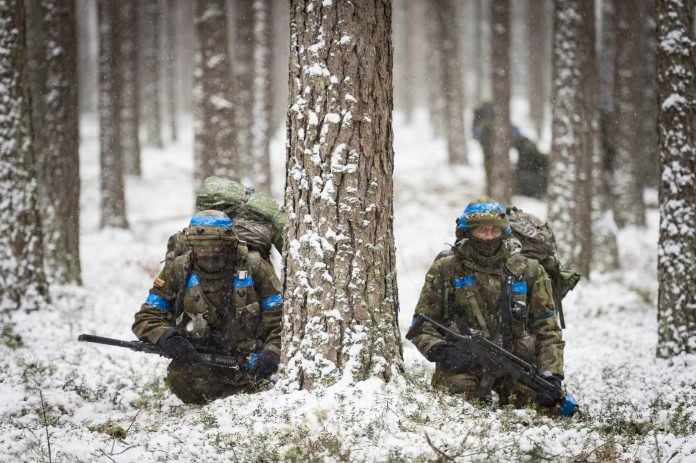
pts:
pixel 452 359
pixel 547 400
pixel 178 347
pixel 264 365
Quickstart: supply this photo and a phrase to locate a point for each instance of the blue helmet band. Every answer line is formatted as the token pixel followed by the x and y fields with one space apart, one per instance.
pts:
pixel 208 221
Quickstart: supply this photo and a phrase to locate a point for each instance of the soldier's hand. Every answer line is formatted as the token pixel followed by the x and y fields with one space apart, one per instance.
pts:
pixel 547 400
pixel 452 359
pixel 178 348
pixel 264 364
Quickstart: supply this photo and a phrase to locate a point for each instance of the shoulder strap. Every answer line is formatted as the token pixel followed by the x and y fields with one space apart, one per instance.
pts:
pixel 447 275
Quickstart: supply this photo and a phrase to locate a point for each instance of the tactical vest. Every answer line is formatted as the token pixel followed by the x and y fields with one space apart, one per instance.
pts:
pixel 474 304
pixel 219 312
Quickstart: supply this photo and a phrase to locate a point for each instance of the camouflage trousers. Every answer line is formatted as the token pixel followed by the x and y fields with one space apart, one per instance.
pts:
pixel 467 385
pixel 201 384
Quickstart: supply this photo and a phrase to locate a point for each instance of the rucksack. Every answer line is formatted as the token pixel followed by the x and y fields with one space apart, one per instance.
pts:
pixel 258 219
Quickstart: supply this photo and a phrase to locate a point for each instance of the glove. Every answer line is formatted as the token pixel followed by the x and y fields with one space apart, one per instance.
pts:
pixel 452 359
pixel 547 400
pixel 263 364
pixel 178 347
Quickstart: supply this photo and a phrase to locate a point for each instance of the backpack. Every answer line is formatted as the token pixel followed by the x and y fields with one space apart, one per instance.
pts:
pixel 538 243
pixel 258 219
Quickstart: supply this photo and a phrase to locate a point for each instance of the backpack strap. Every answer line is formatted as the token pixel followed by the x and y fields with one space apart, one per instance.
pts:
pixel 242 276
pixel 183 267
pixel 447 275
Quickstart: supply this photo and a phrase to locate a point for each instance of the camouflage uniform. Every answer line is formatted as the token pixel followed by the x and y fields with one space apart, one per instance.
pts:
pixel 183 294
pixel 463 287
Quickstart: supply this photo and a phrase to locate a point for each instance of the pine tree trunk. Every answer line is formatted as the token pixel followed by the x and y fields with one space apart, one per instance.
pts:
pixel 501 172
pixel 676 261
pixel 150 49
pixel 403 63
pixel 170 46
pixel 341 297
pixel 536 43
pixel 214 130
pixel 56 140
pixel 607 55
pixel 281 52
pixel 648 108
pixel 433 78
pixel 113 202
pixel 452 82
pixel 130 94
pixel 243 67
pixel 22 277
pixel 87 51
pixel 262 94
pixel 628 180
pixel 482 37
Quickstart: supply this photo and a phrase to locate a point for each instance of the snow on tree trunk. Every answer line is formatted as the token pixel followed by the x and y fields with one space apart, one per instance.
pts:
pixel 262 95
pixel 151 108
pixel 243 68
pixel 130 95
pixel 214 127
pixel 170 46
pixel 570 161
pixel 676 258
pixel 452 73
pixel 113 201
pixel 501 185
pixel 341 299
pixel 57 141
pixel 629 208
pixel 537 39
pixel 22 277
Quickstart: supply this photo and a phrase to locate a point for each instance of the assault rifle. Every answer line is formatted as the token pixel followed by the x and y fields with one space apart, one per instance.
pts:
pixel 140 346
pixel 498 362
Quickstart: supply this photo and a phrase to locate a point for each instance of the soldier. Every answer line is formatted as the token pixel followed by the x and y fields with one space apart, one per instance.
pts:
pixel 215 298
pixel 463 288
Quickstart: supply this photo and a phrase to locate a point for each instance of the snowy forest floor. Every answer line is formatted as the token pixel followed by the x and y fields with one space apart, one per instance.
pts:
pixel 103 404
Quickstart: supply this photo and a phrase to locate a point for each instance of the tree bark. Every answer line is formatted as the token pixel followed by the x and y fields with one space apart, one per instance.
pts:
pixel 433 78
pixel 88 52
pixel 214 130
pixel 170 53
pixel 676 258
pixel 648 99
pixel 452 84
pixel 150 49
pixel 130 94
pixel 340 292
pixel 262 94
pixel 113 201
pixel 628 179
pixel 243 67
pixel 537 39
pixel 22 277
pixel 56 142
pixel 501 171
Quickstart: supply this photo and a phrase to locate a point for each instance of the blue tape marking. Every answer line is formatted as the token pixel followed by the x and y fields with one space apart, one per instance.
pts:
pixel 194 280
pixel 243 282
pixel 569 406
pixel 252 360
pixel 462 223
pixel 520 287
pixel 464 282
pixel 507 230
pixel 156 301
pixel 270 302
pixel 413 321
pixel 544 317
pixel 483 207
pixel 207 221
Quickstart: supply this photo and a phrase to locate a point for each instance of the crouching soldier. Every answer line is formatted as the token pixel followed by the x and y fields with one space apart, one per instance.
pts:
pixel 214 299
pixel 463 290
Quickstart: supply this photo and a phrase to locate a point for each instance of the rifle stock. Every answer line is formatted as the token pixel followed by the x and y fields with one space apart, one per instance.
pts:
pixel 148 348
pixel 499 362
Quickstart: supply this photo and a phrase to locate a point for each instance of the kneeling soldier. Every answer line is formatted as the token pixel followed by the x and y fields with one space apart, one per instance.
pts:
pixel 463 289
pixel 214 298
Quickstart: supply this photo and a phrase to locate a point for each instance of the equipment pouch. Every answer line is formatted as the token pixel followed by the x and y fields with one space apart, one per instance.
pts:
pixel 524 345
pixel 243 327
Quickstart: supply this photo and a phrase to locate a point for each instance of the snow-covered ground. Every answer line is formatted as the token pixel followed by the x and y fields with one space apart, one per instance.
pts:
pixel 102 404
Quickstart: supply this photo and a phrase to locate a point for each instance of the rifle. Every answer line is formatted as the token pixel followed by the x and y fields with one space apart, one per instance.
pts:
pixel 499 362
pixel 148 348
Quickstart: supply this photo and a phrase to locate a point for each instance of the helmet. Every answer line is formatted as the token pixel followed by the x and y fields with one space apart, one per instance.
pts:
pixel 483 212
pixel 210 228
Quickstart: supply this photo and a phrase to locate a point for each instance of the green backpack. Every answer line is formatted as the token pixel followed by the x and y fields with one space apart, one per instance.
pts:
pixel 258 219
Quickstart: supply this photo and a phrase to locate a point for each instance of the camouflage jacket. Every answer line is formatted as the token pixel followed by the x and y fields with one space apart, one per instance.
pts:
pixel 180 294
pixel 461 289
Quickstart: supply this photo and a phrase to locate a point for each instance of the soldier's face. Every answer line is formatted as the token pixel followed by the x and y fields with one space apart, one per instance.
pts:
pixel 211 258
pixel 486 233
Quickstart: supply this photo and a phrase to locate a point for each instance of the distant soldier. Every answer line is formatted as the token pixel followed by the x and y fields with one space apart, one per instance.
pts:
pixel 463 290
pixel 531 171
pixel 214 298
